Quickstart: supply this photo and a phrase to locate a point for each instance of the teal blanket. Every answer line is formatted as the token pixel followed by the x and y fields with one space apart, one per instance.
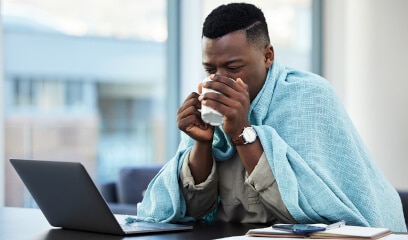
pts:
pixel 323 170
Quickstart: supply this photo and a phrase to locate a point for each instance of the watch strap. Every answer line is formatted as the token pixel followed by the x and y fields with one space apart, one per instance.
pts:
pixel 238 141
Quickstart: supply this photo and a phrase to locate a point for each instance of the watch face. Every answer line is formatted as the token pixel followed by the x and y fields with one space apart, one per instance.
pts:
pixel 249 135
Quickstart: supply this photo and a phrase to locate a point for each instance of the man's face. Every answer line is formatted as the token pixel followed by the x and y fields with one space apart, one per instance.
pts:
pixel 232 56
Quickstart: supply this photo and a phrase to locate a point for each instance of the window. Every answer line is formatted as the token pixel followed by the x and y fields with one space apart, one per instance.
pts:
pixel 47 96
pixel 84 81
pixel 96 84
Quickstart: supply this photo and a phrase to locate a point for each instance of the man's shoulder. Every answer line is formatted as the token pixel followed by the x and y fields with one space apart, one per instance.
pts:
pixel 294 74
pixel 301 78
pixel 290 73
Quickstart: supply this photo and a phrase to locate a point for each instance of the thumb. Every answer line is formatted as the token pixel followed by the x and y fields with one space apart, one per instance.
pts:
pixel 241 83
pixel 200 88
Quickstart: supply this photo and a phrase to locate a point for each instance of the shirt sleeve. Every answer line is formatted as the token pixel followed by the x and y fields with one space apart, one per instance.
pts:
pixel 268 189
pixel 200 198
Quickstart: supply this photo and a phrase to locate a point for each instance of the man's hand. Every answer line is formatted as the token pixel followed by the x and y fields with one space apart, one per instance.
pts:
pixel 233 102
pixel 189 120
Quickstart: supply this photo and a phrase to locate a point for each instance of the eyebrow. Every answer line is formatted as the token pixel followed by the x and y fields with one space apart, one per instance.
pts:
pixel 226 63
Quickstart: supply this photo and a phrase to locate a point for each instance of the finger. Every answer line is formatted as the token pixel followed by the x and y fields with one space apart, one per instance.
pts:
pixel 187 111
pixel 242 83
pixel 189 122
pixel 229 97
pixel 191 100
pixel 200 88
pixel 225 85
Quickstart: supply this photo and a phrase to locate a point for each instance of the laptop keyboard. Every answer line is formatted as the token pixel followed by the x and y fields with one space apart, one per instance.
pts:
pixel 141 226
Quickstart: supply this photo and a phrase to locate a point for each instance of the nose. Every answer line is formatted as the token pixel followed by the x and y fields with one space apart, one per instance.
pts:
pixel 222 72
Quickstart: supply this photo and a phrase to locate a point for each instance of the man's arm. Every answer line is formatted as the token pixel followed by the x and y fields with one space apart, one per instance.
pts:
pixel 200 161
pixel 190 122
pixel 200 198
pixel 263 181
pixel 250 154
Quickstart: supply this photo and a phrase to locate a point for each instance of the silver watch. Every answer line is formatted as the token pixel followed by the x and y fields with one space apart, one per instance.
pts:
pixel 247 136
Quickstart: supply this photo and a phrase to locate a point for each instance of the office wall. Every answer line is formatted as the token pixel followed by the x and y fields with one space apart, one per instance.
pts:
pixel 365 57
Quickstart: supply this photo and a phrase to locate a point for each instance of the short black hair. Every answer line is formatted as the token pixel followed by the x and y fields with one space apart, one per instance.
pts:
pixel 237 16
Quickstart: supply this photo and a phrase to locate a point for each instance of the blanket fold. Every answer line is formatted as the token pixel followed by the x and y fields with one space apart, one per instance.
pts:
pixel 322 168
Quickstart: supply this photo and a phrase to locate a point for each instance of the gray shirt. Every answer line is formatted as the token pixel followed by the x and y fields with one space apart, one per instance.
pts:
pixel 243 198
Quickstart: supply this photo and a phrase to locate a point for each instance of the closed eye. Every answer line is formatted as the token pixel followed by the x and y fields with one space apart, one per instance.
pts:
pixel 234 69
pixel 210 70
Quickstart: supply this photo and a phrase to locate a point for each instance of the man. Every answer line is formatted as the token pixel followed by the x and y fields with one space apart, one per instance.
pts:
pixel 286 152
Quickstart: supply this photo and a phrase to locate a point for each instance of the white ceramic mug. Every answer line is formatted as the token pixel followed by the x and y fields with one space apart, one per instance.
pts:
pixel 209 115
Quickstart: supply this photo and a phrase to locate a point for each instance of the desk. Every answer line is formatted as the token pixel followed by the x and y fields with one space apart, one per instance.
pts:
pixel 27 224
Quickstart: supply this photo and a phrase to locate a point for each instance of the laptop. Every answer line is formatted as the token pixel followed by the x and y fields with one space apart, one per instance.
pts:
pixel 68 198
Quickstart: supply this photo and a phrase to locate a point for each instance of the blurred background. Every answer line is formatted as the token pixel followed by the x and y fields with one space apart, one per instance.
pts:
pixel 100 82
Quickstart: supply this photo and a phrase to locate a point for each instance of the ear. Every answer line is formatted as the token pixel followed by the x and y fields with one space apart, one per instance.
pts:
pixel 269 55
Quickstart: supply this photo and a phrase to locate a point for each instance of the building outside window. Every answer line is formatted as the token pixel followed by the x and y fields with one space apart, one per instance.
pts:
pixel 84 81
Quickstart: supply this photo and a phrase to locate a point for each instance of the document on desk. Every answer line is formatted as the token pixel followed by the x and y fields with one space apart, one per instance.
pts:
pixel 339 232
pixel 355 232
pixel 245 237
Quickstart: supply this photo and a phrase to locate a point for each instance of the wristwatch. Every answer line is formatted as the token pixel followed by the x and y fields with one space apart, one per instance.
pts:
pixel 247 136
